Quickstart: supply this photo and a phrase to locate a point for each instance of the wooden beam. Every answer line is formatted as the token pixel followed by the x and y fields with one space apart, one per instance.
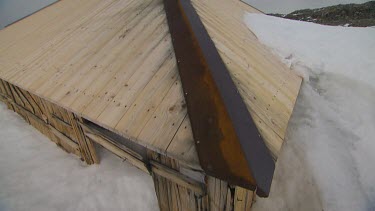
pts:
pixel 66 140
pixel 91 130
pixel 118 151
pixel 227 140
pixel 243 199
pixel 61 121
pixel 87 148
pixel 177 177
pixel 29 114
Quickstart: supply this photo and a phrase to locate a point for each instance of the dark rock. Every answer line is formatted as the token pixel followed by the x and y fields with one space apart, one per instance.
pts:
pixel 356 15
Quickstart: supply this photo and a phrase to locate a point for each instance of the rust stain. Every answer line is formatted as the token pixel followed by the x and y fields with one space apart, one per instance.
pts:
pixel 227 141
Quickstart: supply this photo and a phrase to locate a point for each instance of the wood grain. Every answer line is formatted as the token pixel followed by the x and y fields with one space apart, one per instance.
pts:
pixel 112 62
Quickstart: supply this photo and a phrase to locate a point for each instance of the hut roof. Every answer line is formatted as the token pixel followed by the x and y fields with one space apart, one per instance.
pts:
pixel 112 62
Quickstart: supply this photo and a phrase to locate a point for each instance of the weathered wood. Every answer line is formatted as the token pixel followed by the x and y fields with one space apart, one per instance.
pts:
pixel 125 80
pixel 118 151
pixel 71 144
pixel 267 86
pixel 243 199
pixel 173 194
pixel 177 178
pixel 177 187
pixel 229 201
pixel 60 120
pixel 87 148
pixel 217 190
pixel 33 109
pixel 88 129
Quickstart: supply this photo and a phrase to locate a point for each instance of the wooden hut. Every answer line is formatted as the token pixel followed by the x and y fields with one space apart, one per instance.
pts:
pixel 90 73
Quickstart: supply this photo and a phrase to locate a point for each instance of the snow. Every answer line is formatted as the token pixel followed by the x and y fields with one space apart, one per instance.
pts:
pixel 327 162
pixel 36 175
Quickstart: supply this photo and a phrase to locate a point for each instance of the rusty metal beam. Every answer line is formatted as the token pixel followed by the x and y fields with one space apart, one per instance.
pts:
pixel 228 143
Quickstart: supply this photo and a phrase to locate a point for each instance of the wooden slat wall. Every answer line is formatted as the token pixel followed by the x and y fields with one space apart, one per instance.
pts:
pixel 59 125
pixel 218 196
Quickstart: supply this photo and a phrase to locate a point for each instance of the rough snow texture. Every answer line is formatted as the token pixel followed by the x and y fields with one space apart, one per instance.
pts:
pixel 328 159
pixel 36 175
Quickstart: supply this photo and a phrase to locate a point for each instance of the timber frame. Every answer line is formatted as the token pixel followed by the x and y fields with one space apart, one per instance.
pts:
pixel 178 186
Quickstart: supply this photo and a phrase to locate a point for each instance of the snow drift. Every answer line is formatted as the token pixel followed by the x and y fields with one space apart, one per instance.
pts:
pixel 328 159
pixel 36 175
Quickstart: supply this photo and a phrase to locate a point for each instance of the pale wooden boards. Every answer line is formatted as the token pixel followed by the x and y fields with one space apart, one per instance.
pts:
pixel 267 86
pixel 112 62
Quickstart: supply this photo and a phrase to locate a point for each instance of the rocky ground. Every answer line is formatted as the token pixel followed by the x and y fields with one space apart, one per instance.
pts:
pixel 356 15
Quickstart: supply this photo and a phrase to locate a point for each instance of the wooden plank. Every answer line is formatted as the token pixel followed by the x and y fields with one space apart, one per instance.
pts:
pixel 118 151
pixel 177 177
pixel 167 118
pixel 37 39
pixel 88 129
pixel 229 201
pixel 41 124
pixel 52 55
pixel 136 83
pixel 242 199
pixel 171 195
pixel 143 108
pixel 39 21
pixel 8 91
pixel 66 141
pixel 2 88
pixel 61 120
pixel 87 148
pixel 239 199
pixel 37 108
pixel 162 192
pixel 73 53
pixel 26 111
pixel 139 52
pixel 182 145
pixel 89 59
pixel 217 193
pixel 266 85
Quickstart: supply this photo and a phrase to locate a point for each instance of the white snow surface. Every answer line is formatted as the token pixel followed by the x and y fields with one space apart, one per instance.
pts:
pixel 327 162
pixel 36 175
